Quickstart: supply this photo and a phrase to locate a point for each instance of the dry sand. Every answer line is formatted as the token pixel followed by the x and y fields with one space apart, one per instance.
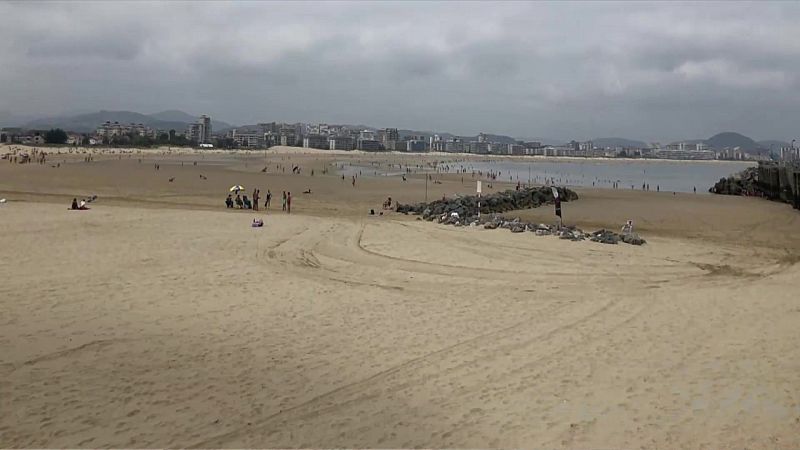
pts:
pixel 159 318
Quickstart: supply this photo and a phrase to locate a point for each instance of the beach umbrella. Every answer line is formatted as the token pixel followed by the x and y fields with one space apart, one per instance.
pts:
pixel 237 188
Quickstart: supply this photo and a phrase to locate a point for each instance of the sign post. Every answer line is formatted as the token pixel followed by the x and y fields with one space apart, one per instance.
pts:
pixel 479 199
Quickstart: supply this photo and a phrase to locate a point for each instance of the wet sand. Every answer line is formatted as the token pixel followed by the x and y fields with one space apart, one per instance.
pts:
pixel 161 319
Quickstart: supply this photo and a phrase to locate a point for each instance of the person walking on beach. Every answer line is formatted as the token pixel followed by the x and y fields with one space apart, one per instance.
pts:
pixel 288 203
pixel 283 201
pixel 269 197
pixel 255 199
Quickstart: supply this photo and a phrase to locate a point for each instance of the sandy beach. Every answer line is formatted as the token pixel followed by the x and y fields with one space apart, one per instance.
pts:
pixel 160 318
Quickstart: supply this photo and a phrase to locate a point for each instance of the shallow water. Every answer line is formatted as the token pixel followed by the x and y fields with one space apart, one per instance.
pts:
pixel 669 176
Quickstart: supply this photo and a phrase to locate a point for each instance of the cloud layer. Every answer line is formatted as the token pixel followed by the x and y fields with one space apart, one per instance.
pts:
pixel 568 70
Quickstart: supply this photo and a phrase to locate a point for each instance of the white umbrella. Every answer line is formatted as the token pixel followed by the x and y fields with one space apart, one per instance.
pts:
pixel 237 188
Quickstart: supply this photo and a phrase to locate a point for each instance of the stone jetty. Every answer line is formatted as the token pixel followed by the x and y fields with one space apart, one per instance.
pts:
pixel 467 206
pixel 778 181
pixel 742 183
pixel 462 211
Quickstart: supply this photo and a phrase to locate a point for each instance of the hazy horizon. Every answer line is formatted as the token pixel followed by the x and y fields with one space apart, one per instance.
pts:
pixel 645 71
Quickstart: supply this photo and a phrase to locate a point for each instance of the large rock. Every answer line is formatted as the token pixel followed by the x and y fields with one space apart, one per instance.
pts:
pixel 744 182
pixel 633 239
pixel 461 211
pixel 498 202
pixel 605 237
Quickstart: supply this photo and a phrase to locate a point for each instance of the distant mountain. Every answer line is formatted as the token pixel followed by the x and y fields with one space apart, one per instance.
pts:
pixel 776 145
pixel 174 115
pixel 403 133
pixel 9 119
pixel 543 141
pixel 731 139
pixel 85 123
pixel 496 138
pixel 617 142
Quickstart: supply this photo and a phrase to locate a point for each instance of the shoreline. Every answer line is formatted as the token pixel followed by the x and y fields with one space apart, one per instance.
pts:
pixel 283 150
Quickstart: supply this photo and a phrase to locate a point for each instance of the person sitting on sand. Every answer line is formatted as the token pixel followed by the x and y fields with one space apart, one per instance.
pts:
pixel 82 206
pixel 307 191
pixel 239 203
pixel 229 201
pixel 74 203
pixel 246 201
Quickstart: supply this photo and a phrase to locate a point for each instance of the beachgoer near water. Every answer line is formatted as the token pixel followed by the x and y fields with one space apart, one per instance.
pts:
pixel 74 203
pixel 628 227
pixel 288 202
pixel 283 201
pixel 229 201
pixel 239 203
pixel 255 200
pixel 269 198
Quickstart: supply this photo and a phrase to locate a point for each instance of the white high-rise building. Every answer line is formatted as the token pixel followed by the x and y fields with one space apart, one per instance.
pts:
pixel 200 132
pixel 206 134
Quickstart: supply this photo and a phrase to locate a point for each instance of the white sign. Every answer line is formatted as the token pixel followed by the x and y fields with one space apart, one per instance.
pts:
pixel 555 192
pixel 479 186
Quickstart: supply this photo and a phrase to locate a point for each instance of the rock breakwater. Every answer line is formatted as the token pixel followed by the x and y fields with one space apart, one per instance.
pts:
pixel 467 206
pixel 462 211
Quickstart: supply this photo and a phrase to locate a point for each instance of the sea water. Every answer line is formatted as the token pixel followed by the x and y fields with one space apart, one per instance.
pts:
pixel 668 176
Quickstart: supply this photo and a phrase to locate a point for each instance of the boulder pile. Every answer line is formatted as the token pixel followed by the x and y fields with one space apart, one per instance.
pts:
pixel 499 202
pixel 462 211
pixel 742 183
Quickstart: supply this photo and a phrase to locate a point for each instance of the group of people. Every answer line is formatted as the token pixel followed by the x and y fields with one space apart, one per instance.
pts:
pixel 240 202
pixel 243 202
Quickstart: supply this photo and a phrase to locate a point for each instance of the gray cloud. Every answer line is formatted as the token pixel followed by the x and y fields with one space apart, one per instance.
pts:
pixel 568 70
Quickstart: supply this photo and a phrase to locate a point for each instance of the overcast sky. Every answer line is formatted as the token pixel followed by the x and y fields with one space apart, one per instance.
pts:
pixel 658 71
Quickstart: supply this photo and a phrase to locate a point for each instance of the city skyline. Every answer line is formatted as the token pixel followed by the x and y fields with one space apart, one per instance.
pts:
pixel 651 72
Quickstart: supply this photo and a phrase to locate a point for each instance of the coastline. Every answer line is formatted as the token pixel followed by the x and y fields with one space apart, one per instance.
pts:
pixel 283 150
